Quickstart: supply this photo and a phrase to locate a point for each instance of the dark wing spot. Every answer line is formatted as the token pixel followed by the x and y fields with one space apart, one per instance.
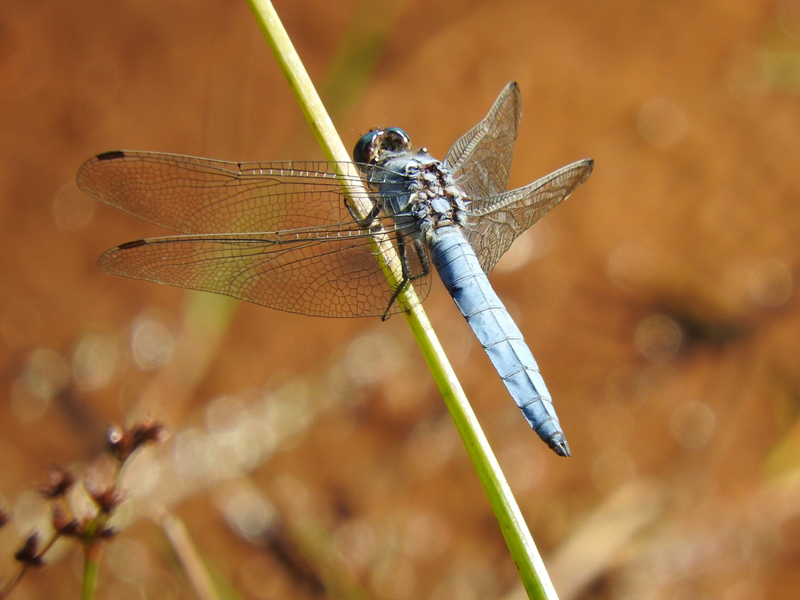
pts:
pixel 113 155
pixel 134 244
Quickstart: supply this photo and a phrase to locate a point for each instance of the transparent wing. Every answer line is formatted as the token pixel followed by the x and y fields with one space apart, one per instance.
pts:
pixel 313 271
pixel 480 160
pixel 200 195
pixel 494 223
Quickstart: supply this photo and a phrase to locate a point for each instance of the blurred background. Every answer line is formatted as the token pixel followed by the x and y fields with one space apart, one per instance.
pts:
pixel 314 458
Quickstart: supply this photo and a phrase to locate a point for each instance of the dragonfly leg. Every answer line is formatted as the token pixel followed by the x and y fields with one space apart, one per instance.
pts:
pixel 408 277
pixel 367 221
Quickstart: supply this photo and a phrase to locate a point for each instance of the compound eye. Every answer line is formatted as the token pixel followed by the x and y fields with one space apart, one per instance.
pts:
pixel 396 140
pixel 373 145
pixel 365 150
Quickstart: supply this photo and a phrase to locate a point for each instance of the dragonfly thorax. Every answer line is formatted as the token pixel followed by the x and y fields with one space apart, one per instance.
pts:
pixel 419 194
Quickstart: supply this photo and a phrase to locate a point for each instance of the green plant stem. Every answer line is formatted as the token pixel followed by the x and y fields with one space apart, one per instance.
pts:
pixel 520 543
pixel 91 569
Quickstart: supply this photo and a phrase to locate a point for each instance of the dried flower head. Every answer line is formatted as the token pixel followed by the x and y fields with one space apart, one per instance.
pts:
pixel 29 553
pixel 122 442
pixel 63 523
pixel 107 499
pixel 59 481
pixel 147 431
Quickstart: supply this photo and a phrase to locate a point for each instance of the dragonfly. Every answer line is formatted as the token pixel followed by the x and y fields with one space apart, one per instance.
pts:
pixel 288 234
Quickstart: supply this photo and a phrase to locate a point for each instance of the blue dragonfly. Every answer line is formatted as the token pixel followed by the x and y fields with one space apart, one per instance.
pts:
pixel 286 234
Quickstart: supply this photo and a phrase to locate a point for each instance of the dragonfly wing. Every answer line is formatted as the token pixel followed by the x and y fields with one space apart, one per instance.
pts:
pixel 303 271
pixel 494 223
pixel 201 195
pixel 480 160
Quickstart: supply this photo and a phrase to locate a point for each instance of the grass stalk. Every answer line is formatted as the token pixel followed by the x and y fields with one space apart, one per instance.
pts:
pixel 520 543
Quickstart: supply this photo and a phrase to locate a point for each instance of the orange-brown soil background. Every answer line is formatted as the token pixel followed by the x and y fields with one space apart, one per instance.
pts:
pixel 315 458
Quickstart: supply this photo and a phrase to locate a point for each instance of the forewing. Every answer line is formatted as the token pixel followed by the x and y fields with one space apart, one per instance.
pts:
pixel 200 195
pixel 494 223
pixel 480 160
pixel 310 272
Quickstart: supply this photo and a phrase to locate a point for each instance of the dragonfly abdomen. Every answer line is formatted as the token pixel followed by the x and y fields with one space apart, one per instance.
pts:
pixel 500 337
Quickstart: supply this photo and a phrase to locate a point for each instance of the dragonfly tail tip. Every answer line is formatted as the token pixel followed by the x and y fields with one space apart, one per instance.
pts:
pixel 559 445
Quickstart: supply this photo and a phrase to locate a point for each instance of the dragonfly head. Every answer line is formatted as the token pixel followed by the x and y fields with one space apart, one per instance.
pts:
pixel 372 146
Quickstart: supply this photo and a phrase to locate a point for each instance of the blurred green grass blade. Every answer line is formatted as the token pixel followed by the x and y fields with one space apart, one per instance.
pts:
pixel 299 81
pixel 356 56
